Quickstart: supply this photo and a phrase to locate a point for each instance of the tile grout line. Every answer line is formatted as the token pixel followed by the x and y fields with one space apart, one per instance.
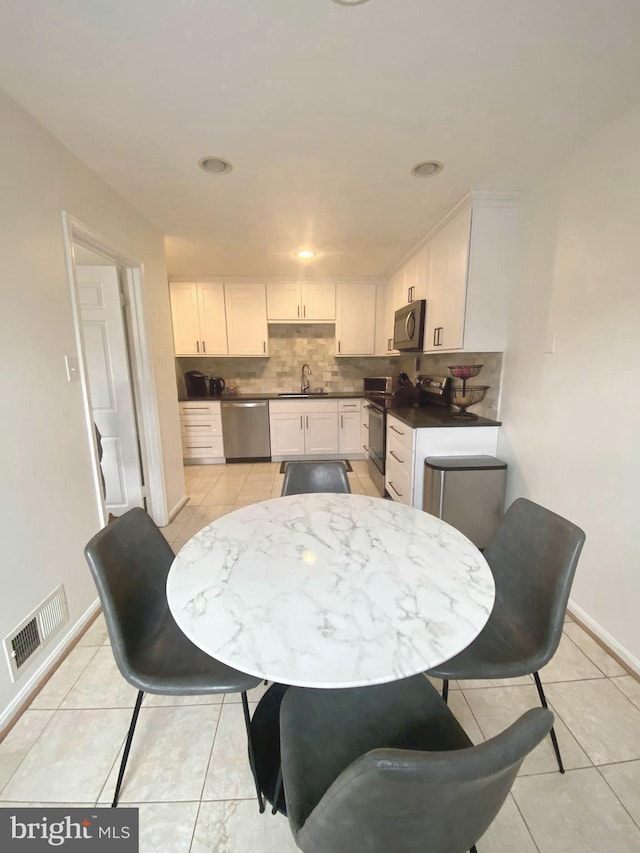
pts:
pixel 606 781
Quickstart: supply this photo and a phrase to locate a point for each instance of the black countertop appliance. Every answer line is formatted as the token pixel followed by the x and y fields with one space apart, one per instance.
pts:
pixel 216 385
pixel 196 383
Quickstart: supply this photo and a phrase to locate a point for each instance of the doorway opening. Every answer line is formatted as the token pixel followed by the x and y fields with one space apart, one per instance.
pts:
pixel 115 370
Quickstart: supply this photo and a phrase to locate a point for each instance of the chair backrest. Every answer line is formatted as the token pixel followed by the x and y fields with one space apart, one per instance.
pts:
pixel 129 560
pixel 410 801
pixel 305 477
pixel 533 556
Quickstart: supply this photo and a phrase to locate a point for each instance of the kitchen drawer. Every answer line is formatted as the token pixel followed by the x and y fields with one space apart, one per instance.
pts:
pixel 349 405
pixel 399 453
pixel 194 447
pixel 300 404
pixel 199 408
pixel 400 431
pixel 209 430
pixel 201 425
pixel 398 481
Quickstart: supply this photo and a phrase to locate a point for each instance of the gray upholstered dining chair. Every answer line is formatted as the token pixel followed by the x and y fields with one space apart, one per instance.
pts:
pixel 389 768
pixel 305 477
pixel 129 560
pixel 533 556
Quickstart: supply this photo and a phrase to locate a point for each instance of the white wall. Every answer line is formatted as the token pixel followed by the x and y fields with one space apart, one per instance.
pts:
pixel 571 418
pixel 47 508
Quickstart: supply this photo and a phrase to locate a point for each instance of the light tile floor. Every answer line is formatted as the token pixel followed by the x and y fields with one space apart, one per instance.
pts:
pixel 188 771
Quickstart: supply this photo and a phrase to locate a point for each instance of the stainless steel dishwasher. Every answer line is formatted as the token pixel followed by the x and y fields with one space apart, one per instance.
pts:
pixel 245 429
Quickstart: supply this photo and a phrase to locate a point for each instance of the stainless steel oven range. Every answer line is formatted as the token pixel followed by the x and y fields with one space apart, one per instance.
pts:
pixel 383 393
pixel 380 393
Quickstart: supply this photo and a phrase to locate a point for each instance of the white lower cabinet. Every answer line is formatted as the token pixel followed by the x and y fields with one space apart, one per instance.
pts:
pixel 300 428
pixel 201 432
pixel 408 448
pixel 315 429
pixel 320 433
pixel 398 479
pixel 350 432
pixel 364 428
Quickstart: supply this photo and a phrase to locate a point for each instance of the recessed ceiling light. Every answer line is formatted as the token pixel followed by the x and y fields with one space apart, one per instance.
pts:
pixel 305 254
pixel 350 2
pixel 427 169
pixel 215 166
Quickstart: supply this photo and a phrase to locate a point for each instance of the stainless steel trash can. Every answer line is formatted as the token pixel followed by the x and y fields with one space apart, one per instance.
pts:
pixel 467 492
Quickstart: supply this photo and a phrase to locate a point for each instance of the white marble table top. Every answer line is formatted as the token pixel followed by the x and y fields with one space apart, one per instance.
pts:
pixel 329 590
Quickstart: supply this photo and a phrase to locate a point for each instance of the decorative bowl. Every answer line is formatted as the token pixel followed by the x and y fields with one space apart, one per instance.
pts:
pixel 468 396
pixel 465 371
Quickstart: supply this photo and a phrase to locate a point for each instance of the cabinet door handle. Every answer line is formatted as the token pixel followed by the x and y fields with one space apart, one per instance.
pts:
pixel 366 426
pixel 338 346
pixel 391 426
pixel 307 417
pixel 365 448
pixel 264 346
pixel 298 310
pixel 397 458
pixel 304 310
pixel 399 494
pixel 389 342
pixel 204 346
pixel 198 346
pixel 341 421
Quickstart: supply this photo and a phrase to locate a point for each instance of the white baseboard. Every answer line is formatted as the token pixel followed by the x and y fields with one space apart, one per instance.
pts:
pixel 605 637
pixel 47 664
pixel 173 512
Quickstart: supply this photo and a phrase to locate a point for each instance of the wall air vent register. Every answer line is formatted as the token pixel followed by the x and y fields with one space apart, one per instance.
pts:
pixel 35 631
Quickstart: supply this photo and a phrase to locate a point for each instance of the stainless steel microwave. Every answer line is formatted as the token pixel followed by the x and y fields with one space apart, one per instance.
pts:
pixel 408 326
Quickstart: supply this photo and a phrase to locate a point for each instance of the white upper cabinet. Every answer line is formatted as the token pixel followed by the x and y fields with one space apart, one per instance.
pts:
pixel 395 299
pixel 466 270
pixel 415 277
pixel 291 301
pixel 198 315
pixel 246 313
pixel 447 290
pixel 355 318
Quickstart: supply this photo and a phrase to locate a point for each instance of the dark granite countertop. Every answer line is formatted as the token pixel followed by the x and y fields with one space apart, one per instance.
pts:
pixel 332 395
pixel 417 417
pixel 423 417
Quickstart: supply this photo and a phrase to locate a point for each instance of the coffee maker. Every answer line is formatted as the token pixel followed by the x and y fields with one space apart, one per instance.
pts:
pixel 196 383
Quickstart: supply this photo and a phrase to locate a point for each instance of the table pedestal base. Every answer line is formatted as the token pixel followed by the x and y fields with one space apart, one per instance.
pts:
pixel 265 729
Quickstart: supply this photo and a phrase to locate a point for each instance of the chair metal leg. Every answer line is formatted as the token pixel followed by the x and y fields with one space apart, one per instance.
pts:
pixel 554 739
pixel 252 760
pixel 127 747
pixel 277 791
pixel 445 689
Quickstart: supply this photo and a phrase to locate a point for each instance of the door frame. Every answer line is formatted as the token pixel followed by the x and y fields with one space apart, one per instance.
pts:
pixel 142 374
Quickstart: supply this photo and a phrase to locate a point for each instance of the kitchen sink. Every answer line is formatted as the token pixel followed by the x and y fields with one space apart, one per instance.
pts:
pixel 302 396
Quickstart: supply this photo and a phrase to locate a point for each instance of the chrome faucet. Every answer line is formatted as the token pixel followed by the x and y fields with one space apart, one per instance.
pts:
pixel 304 380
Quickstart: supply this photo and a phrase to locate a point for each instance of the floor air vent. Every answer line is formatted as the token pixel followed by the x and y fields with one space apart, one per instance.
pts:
pixel 36 630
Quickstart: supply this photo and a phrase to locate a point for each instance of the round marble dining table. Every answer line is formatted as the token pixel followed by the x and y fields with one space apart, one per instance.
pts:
pixel 330 590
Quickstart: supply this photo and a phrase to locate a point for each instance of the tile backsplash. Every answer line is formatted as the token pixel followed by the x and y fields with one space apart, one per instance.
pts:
pixel 291 346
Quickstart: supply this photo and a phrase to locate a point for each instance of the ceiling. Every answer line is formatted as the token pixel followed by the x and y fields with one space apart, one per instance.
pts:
pixel 322 109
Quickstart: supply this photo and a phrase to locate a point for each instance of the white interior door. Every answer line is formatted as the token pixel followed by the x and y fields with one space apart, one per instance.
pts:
pixel 109 379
